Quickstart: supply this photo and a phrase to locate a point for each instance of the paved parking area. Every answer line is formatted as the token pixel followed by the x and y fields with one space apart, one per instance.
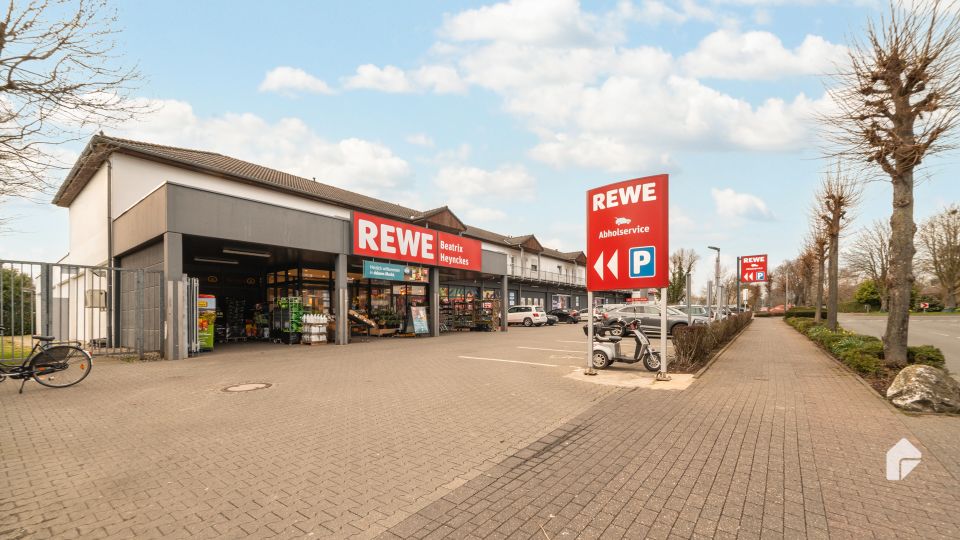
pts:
pixel 348 440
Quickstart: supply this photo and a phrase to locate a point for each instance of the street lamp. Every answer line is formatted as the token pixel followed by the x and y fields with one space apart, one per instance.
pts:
pixel 716 282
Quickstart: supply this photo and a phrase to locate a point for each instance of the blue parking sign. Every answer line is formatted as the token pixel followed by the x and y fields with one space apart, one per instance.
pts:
pixel 643 262
pixel 760 276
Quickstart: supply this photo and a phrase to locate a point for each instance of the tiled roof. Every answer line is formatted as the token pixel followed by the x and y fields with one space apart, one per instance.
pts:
pixel 100 147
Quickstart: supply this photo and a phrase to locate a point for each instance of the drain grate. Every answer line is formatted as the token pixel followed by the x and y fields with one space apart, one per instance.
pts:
pixel 247 387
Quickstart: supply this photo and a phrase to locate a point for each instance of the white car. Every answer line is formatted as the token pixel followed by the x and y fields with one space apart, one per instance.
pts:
pixel 527 315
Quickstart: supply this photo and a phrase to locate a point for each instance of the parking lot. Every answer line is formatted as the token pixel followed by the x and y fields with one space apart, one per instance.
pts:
pixel 346 440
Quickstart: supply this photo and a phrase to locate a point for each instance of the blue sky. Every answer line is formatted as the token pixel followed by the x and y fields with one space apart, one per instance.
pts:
pixel 508 112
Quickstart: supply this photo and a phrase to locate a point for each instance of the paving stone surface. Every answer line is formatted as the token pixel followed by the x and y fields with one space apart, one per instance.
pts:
pixel 346 443
pixel 775 441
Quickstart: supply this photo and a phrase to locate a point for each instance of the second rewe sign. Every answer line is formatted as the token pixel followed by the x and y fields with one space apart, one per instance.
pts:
pixel 753 268
pixel 383 238
pixel 628 235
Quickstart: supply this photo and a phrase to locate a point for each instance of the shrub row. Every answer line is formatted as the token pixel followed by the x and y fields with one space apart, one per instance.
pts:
pixel 694 344
pixel 863 354
pixel 808 312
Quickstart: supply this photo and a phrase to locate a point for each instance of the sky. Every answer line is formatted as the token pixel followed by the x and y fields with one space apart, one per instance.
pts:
pixel 508 112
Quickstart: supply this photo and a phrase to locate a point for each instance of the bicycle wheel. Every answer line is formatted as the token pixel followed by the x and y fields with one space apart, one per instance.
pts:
pixel 61 366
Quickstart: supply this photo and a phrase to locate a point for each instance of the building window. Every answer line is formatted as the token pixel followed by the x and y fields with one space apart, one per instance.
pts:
pixel 533 267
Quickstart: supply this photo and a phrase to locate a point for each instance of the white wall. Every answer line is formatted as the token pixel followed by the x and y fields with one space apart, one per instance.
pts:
pixel 134 178
pixel 88 223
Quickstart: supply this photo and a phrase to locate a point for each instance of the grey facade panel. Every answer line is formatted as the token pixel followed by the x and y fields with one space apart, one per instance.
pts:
pixel 141 223
pixel 493 263
pixel 202 213
pixel 147 258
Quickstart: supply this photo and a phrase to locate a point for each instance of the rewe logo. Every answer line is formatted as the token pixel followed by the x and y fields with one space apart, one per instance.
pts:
pixel 901 459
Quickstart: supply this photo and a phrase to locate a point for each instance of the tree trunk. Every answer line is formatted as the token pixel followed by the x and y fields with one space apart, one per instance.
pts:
pixel 816 317
pixel 900 273
pixel 884 299
pixel 833 296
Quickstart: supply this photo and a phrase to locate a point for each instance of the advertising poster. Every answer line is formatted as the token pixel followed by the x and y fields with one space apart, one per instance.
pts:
pixel 418 314
pixel 206 320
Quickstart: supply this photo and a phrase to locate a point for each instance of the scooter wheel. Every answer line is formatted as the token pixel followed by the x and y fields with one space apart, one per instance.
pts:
pixel 652 361
pixel 600 360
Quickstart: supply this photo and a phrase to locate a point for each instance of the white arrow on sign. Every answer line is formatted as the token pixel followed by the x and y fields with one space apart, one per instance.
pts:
pixel 612 264
pixel 598 266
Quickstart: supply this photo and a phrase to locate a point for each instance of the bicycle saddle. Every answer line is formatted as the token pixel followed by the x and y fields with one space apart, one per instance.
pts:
pixel 44 338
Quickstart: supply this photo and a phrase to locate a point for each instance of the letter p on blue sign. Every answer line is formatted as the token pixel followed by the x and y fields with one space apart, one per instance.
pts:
pixel 643 262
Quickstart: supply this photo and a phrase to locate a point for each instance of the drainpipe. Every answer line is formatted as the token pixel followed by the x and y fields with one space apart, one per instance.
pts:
pixel 112 297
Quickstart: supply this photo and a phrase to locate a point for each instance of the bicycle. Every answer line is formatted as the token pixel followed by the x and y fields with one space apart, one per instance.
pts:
pixel 55 366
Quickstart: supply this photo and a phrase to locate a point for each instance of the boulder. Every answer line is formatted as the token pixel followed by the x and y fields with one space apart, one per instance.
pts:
pixel 922 388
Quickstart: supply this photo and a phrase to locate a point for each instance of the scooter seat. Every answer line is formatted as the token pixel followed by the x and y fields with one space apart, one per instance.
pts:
pixel 610 339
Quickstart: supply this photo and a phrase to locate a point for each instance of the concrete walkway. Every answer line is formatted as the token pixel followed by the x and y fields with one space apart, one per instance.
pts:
pixel 776 440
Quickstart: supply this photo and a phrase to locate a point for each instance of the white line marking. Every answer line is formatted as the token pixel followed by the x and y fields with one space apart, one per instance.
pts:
pixel 507 361
pixel 580 342
pixel 941 334
pixel 552 350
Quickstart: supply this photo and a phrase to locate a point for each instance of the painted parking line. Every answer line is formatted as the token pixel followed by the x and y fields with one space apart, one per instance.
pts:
pixel 551 350
pixel 507 361
pixel 566 341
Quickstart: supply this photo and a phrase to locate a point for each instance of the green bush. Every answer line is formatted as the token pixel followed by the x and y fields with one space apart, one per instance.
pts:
pixel 861 362
pixel 808 312
pixel 926 354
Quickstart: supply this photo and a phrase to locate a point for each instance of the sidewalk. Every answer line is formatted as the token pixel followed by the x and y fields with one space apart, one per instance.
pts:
pixel 776 440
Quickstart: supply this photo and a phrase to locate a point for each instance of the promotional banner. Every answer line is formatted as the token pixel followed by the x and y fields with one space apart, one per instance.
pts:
pixel 388 239
pixel 628 237
pixel 753 268
pixel 394 272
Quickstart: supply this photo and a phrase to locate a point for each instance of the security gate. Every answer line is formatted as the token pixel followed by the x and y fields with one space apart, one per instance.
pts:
pixel 103 309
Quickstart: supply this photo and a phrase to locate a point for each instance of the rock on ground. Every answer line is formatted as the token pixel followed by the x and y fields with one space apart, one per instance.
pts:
pixel 922 388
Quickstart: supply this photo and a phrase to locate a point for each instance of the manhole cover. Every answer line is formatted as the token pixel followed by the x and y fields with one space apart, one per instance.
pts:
pixel 246 387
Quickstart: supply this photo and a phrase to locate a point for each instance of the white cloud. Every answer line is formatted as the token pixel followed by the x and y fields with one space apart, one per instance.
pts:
pixel 545 22
pixel 477 194
pixel 420 139
pixel 727 54
pixel 288 145
pixel 731 204
pixel 287 79
pixel 391 79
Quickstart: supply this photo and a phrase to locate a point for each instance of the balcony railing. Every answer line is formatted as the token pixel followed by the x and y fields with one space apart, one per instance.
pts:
pixel 560 278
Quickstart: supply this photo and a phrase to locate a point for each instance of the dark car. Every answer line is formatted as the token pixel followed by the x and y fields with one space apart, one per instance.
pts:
pixel 649 317
pixel 551 319
pixel 566 315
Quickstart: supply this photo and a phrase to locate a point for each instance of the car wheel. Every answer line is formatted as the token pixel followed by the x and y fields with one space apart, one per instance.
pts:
pixel 674 327
pixel 616 331
pixel 528 322
pixel 600 360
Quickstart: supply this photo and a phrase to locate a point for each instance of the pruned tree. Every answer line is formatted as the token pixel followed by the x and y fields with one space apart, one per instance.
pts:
pixel 682 262
pixel 897 102
pixel 940 252
pixel 837 196
pixel 870 256
pixel 819 243
pixel 60 79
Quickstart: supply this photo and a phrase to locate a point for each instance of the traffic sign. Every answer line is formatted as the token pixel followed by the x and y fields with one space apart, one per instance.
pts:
pixel 628 235
pixel 753 269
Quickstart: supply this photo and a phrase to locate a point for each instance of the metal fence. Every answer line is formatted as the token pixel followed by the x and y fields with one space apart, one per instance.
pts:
pixel 103 309
pixel 518 271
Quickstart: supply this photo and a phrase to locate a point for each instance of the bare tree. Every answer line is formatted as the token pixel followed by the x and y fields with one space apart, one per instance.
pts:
pixel 818 245
pixel 870 256
pixel 940 252
pixel 682 262
pixel 898 101
pixel 837 196
pixel 58 79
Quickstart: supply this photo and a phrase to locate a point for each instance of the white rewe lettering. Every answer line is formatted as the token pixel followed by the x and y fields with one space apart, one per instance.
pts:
pixel 623 196
pixel 368 234
pixel 409 241
pixel 387 238
pixel 426 246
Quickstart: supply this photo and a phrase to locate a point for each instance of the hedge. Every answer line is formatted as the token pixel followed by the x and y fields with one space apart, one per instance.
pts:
pixel 694 344
pixel 863 354
pixel 807 312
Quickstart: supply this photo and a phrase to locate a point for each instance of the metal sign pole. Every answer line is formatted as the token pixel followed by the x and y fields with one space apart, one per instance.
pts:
pixel 662 374
pixel 739 282
pixel 590 370
pixel 689 312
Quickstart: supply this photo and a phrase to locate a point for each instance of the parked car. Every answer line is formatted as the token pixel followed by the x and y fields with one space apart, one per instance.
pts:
pixel 649 317
pixel 552 319
pixel 565 315
pixel 695 309
pixel 527 315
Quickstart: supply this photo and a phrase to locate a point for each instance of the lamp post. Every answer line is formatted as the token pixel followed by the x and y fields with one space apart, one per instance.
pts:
pixel 716 275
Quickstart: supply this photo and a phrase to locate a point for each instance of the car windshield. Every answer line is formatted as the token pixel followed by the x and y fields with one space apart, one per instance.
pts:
pixel 674 311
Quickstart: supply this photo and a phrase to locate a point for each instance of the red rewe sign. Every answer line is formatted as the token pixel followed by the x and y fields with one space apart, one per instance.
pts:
pixel 388 239
pixel 753 268
pixel 628 237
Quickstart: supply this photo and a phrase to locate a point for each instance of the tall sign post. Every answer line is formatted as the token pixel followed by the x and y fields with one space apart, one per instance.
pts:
pixel 628 245
pixel 751 269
